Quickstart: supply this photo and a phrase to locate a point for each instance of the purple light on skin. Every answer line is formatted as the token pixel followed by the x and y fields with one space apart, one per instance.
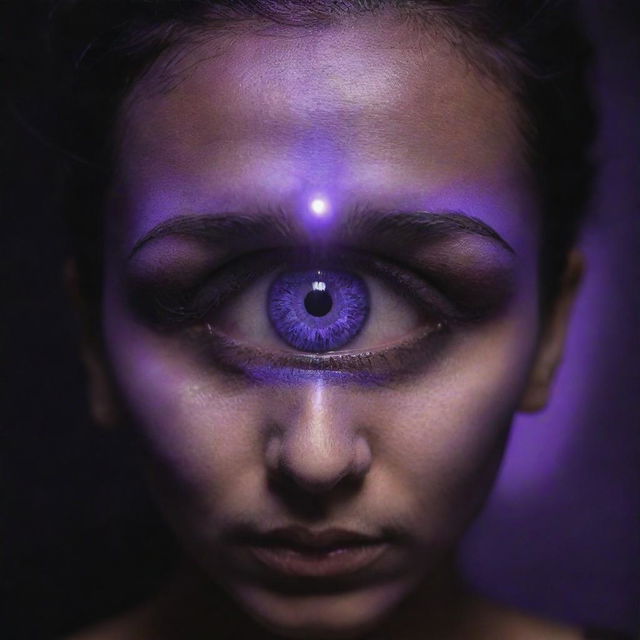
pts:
pixel 317 215
pixel 293 377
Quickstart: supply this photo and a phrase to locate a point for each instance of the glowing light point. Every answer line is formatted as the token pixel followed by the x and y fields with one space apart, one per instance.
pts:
pixel 319 207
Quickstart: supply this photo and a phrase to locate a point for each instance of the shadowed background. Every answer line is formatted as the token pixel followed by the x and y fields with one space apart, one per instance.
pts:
pixel 79 537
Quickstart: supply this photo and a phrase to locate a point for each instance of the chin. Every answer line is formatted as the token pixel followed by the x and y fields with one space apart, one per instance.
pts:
pixel 350 615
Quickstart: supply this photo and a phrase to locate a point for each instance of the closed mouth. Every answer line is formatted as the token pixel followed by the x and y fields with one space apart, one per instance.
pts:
pixel 296 551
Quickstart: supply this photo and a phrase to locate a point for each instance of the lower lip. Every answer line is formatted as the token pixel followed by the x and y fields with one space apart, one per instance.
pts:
pixel 319 564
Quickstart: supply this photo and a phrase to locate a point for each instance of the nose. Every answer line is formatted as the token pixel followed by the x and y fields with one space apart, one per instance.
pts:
pixel 318 445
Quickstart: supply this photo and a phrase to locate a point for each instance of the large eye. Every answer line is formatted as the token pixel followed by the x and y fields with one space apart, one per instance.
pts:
pixel 289 310
pixel 347 302
pixel 318 311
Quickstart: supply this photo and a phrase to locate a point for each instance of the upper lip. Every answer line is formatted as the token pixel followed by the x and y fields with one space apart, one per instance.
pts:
pixel 298 536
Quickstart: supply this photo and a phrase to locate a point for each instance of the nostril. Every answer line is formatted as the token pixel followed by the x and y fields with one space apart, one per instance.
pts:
pixel 272 452
pixel 362 457
pixel 317 483
pixel 316 466
pixel 310 500
pixel 311 475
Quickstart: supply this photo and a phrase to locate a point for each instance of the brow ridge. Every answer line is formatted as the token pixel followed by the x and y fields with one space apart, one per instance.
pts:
pixel 275 226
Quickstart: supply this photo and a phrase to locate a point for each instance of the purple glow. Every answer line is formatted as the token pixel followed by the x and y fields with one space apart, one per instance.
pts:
pixel 293 377
pixel 319 207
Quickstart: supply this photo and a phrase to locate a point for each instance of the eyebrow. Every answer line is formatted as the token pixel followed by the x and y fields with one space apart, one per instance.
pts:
pixel 273 226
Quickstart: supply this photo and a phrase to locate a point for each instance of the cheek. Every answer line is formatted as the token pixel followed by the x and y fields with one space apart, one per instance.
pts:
pixel 443 437
pixel 201 435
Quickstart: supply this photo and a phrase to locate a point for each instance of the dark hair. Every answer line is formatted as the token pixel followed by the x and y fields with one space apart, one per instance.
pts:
pixel 535 47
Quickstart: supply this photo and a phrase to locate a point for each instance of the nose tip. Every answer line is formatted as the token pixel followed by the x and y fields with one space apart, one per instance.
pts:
pixel 317 443
pixel 317 462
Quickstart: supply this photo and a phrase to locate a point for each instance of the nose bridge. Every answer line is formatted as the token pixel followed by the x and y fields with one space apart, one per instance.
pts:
pixel 319 443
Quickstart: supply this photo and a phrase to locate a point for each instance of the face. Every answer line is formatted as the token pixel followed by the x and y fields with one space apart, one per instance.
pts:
pixel 320 309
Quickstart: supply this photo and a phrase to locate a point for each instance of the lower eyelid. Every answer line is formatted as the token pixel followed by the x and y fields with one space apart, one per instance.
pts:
pixel 407 357
pixel 396 363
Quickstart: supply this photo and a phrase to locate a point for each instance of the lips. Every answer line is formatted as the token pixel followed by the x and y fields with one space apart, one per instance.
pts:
pixel 306 539
pixel 300 552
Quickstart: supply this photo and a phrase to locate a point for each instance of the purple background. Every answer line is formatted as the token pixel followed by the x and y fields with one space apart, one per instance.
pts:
pixel 80 538
pixel 561 535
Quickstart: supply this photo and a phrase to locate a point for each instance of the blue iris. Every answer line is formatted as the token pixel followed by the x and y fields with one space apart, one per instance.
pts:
pixel 318 310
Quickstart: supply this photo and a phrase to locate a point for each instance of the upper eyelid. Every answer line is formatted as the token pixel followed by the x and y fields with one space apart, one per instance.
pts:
pixel 431 290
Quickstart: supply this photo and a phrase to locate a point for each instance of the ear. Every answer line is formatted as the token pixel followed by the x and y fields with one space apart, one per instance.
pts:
pixel 552 341
pixel 101 397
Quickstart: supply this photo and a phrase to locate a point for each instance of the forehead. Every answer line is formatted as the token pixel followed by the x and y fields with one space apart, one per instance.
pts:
pixel 367 111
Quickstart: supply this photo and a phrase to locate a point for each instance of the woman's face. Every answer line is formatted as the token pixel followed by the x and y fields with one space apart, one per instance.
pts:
pixel 321 308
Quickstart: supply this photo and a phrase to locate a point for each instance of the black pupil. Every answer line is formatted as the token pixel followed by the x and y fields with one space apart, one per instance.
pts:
pixel 318 303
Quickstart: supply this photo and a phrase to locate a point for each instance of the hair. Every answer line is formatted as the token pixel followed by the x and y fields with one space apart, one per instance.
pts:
pixel 535 48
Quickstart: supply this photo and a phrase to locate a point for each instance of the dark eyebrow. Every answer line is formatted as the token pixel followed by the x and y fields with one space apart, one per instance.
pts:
pixel 223 227
pixel 274 226
pixel 420 225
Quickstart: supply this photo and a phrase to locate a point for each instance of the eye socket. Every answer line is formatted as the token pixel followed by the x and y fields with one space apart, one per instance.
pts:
pixel 346 302
pixel 296 310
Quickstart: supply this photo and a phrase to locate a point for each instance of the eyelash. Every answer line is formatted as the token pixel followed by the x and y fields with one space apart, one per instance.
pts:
pixel 228 280
pixel 192 305
pixel 186 311
pixel 370 367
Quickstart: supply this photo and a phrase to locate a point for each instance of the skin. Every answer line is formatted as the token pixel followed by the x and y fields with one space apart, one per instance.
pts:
pixel 365 113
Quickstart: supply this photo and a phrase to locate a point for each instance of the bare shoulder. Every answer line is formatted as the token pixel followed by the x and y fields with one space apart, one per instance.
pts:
pixel 496 621
pixel 133 625
pixel 529 628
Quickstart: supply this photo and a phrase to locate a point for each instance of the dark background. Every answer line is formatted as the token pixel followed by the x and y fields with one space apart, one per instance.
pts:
pixel 79 538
